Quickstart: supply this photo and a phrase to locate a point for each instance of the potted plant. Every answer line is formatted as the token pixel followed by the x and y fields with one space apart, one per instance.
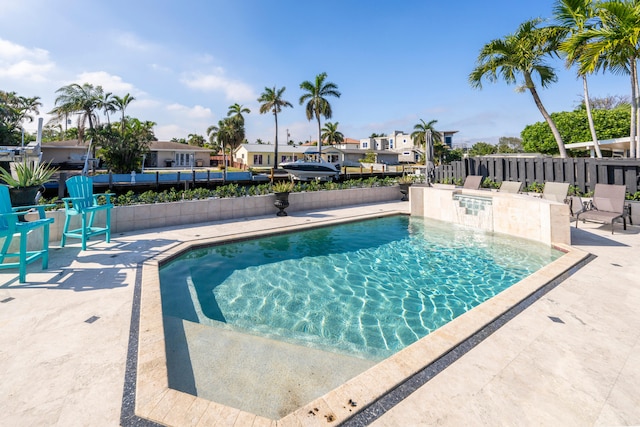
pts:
pixel 26 181
pixel 405 182
pixel 282 190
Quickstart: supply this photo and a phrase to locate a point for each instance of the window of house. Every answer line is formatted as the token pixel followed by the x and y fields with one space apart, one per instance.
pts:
pixel 365 145
pixel 448 140
pixel 257 159
pixel 391 144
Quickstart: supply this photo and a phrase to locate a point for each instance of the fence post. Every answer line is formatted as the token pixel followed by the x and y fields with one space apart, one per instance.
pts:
pixel 62 184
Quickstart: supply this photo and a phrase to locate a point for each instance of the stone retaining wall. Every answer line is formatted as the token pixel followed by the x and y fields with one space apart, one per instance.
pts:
pixel 139 217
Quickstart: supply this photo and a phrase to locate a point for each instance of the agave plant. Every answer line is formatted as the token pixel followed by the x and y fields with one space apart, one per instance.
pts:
pixel 283 187
pixel 28 174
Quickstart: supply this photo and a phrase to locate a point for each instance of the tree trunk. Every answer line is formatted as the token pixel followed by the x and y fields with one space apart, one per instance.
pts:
pixel 547 117
pixel 634 110
pixel 276 150
pixel 319 138
pixel 634 145
pixel 592 128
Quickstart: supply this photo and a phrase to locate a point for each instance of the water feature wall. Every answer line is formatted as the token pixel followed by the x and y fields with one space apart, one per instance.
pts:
pixel 518 215
pixel 473 211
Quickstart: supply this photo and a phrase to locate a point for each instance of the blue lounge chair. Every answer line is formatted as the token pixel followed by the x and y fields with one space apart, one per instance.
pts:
pixel 83 202
pixel 11 225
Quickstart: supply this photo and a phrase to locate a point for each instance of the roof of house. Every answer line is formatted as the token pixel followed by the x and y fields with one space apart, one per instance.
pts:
pixel 153 146
pixel 175 146
pixel 69 143
pixel 270 148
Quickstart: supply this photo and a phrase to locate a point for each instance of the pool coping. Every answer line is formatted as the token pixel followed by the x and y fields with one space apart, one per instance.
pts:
pixel 361 399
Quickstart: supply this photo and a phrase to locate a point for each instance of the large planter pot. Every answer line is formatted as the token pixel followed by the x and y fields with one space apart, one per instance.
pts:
pixel 282 202
pixel 404 190
pixel 23 196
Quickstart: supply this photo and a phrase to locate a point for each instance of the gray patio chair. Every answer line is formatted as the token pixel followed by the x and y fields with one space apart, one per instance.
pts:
pixel 556 191
pixel 510 187
pixel 607 206
pixel 473 182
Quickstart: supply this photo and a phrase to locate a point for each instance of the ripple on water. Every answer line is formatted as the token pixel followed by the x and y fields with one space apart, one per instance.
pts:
pixel 371 288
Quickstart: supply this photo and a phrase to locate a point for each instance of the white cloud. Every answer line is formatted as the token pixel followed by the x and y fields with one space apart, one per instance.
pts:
pixel 109 82
pixel 160 68
pixel 20 63
pixel 132 42
pixel 234 90
pixel 195 112
pixel 167 132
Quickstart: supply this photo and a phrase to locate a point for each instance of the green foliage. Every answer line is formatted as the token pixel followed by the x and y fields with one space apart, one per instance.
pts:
pixel 234 190
pixel 509 144
pixel 534 187
pixel 489 183
pixel 482 149
pixel 283 187
pixel 14 111
pixel 452 181
pixel 634 196
pixel 454 155
pixel 574 127
pixel 369 157
pixel 406 179
pixel 28 174
pixel 123 151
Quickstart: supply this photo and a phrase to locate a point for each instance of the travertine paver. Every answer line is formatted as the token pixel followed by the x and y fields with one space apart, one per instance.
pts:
pixel 59 370
pixel 533 371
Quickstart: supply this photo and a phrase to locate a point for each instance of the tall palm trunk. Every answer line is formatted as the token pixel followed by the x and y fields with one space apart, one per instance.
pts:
pixel 276 150
pixel 634 146
pixel 319 137
pixel 547 117
pixel 634 110
pixel 592 127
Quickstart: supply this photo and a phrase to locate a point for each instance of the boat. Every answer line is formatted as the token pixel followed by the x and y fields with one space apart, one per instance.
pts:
pixel 312 166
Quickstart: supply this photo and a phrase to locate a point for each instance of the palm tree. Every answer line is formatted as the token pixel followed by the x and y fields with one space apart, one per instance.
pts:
pixel 573 17
pixel 419 134
pixel 331 134
pixel 236 120
pixel 106 103
pixel 522 53
pixel 121 104
pixel 235 112
pixel 84 100
pixel 26 106
pixel 212 133
pixel 614 45
pixel 317 104
pixel 195 139
pixel 224 135
pixel 272 101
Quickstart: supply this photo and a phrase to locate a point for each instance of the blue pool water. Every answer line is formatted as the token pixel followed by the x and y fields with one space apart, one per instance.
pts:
pixel 368 288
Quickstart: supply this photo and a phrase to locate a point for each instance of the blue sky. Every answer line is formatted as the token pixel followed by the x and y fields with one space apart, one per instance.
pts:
pixel 186 62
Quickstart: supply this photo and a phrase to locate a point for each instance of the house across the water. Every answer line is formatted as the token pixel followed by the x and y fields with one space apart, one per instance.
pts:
pixel 71 154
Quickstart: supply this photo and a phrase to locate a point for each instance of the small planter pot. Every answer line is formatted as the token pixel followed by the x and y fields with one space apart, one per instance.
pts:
pixel 281 202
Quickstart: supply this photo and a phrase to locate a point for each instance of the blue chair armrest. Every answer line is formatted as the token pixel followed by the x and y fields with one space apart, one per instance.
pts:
pixel 21 210
pixel 105 195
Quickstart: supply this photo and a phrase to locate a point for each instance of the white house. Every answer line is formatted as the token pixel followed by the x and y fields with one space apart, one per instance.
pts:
pixel 71 154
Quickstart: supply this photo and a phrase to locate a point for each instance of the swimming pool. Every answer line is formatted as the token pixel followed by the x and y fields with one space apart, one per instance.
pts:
pixel 366 288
